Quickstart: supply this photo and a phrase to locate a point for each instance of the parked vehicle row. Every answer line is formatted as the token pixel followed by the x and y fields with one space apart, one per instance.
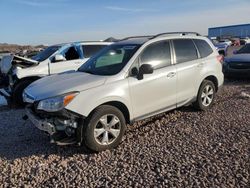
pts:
pixel 129 80
pixel 222 45
pixel 18 72
pixel 239 64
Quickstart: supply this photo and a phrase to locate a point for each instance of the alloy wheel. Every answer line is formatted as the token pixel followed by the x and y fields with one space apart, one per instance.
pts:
pixel 207 95
pixel 107 129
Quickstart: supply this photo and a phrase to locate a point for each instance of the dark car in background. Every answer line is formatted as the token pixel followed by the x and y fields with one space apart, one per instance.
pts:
pixel 238 65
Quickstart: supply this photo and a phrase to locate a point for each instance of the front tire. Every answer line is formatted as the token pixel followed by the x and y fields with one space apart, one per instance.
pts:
pixel 104 128
pixel 205 96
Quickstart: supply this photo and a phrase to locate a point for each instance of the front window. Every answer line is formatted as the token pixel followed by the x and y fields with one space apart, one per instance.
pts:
pixel 244 50
pixel 157 54
pixel 45 54
pixel 110 60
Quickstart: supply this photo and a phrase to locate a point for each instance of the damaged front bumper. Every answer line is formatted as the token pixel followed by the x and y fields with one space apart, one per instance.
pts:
pixel 41 124
pixel 64 128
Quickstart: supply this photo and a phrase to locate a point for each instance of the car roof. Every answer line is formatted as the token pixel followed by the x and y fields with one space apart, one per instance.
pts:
pixel 136 40
pixel 139 40
pixel 83 42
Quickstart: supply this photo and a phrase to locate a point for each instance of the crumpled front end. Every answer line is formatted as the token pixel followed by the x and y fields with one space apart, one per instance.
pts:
pixel 4 80
pixel 8 78
pixel 64 127
pixel 5 67
pixel 6 64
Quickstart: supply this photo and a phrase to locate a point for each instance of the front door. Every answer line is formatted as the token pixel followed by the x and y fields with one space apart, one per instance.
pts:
pixel 72 61
pixel 156 91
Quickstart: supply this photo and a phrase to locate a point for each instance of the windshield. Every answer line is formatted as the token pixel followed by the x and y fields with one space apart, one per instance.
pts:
pixel 45 54
pixel 244 50
pixel 110 60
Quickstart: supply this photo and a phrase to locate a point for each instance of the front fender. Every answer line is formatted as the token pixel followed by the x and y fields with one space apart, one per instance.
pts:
pixel 88 100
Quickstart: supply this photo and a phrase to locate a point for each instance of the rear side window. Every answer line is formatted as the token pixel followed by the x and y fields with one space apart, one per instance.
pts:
pixel 157 54
pixel 90 50
pixel 185 50
pixel 203 47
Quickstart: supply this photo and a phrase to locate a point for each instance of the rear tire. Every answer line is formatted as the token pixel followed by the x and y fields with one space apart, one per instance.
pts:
pixel 205 96
pixel 17 96
pixel 104 128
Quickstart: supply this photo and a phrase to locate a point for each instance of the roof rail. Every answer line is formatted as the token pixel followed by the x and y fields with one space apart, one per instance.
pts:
pixel 132 37
pixel 158 35
pixel 172 33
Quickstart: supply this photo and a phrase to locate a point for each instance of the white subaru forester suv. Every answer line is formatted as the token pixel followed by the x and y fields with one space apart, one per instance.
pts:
pixel 130 80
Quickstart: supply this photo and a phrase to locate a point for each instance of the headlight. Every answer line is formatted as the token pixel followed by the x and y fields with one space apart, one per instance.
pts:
pixel 56 103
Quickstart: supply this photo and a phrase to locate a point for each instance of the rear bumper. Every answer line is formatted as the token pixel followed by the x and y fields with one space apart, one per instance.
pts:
pixel 220 80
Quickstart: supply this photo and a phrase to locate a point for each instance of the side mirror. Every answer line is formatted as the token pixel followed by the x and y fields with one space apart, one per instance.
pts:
pixel 134 72
pixel 144 69
pixel 58 58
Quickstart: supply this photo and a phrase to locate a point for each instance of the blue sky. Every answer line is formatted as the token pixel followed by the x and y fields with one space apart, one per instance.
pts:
pixel 55 21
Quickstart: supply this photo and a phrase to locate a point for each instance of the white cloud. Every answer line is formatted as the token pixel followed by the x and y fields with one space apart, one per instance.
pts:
pixel 116 8
pixel 39 3
pixel 196 20
pixel 32 3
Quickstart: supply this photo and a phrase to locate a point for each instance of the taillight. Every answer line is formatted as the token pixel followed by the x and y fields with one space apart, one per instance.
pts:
pixel 220 58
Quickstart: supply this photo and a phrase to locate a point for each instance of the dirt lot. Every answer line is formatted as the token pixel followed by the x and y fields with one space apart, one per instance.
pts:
pixel 180 148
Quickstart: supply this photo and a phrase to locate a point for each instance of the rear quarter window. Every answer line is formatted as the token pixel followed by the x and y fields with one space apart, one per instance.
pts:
pixel 203 47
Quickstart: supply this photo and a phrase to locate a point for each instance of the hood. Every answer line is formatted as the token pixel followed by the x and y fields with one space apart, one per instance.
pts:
pixel 60 84
pixel 238 58
pixel 9 60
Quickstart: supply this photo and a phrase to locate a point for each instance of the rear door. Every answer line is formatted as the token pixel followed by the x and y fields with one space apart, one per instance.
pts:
pixel 155 92
pixel 188 71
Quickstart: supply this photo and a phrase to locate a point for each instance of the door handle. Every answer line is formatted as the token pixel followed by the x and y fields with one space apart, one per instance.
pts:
pixel 171 74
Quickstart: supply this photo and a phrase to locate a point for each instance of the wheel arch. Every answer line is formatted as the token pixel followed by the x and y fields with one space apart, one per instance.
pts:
pixel 213 79
pixel 119 105
pixel 33 78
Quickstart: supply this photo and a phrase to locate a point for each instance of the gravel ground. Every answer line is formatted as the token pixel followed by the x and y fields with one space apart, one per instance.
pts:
pixel 182 148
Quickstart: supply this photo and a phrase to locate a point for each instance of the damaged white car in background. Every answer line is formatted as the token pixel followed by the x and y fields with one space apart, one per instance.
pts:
pixel 17 72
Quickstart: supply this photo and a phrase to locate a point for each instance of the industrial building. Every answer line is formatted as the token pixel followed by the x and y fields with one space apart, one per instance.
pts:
pixel 240 31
